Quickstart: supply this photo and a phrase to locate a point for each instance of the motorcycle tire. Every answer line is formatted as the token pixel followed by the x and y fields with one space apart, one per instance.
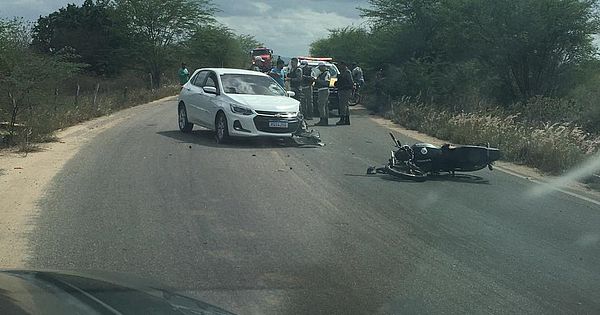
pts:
pixel 354 100
pixel 411 174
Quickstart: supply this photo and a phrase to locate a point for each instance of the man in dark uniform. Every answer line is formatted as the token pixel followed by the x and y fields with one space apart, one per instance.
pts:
pixel 295 78
pixel 345 84
pixel 307 91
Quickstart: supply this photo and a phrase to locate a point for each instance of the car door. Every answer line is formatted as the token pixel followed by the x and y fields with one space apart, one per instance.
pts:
pixel 209 105
pixel 194 98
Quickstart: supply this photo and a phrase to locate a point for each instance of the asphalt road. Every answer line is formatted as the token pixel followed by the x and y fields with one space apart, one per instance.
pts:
pixel 261 228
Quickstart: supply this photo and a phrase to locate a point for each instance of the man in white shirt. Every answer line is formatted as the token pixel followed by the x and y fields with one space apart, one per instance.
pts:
pixel 322 75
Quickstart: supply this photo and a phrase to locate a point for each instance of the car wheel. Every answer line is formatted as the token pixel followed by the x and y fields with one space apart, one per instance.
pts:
pixel 221 128
pixel 184 124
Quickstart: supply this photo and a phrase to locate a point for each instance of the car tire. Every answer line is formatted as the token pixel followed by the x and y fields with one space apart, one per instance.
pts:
pixel 221 128
pixel 184 125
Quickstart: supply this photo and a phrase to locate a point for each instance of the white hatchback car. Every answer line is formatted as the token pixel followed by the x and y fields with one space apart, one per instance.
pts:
pixel 235 102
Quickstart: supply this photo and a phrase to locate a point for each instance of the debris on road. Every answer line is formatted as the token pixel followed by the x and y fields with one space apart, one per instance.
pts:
pixel 303 136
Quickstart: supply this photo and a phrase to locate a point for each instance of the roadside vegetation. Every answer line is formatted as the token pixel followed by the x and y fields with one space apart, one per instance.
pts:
pixel 86 61
pixel 521 75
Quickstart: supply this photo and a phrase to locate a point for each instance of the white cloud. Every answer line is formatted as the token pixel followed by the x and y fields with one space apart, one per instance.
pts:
pixel 32 9
pixel 290 31
pixel 262 7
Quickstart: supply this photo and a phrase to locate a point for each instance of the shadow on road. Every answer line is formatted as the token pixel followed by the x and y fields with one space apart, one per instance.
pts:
pixel 206 138
pixel 459 178
pixel 462 178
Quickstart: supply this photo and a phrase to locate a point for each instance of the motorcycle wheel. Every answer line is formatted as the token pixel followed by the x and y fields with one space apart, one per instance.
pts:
pixel 354 100
pixel 410 173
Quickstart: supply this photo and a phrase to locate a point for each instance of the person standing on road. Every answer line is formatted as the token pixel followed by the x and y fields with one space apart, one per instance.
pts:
pixel 380 99
pixel 294 77
pixel 345 84
pixel 357 75
pixel 307 91
pixel 322 85
pixel 278 74
pixel 183 74
pixel 258 64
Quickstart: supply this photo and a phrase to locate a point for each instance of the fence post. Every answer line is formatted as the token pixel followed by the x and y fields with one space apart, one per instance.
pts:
pixel 96 95
pixel 13 116
pixel 77 95
pixel 151 82
pixel 125 95
pixel 55 99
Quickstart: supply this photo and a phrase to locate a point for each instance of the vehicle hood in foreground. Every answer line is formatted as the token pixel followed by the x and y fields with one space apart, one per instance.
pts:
pixel 50 292
pixel 267 103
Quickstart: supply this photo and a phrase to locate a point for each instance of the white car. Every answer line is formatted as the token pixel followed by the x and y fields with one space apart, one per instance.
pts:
pixel 239 103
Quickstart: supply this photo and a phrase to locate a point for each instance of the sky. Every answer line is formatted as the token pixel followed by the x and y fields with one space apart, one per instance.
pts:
pixel 286 26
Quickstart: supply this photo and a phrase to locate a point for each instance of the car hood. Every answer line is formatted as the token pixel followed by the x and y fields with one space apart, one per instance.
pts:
pixel 267 103
pixel 53 292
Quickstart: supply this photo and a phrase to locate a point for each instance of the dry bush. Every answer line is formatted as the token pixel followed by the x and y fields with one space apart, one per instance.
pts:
pixel 552 148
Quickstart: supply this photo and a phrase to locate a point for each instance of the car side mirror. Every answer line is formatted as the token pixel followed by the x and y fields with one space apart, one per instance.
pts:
pixel 210 90
pixel 291 93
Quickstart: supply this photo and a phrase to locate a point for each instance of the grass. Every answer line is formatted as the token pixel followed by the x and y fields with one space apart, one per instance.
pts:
pixel 552 148
pixel 65 111
pixel 28 148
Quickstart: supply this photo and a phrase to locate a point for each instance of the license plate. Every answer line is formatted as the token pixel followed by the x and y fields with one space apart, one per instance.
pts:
pixel 278 124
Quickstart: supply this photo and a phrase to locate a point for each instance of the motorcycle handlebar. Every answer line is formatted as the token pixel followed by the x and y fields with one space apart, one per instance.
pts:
pixel 396 142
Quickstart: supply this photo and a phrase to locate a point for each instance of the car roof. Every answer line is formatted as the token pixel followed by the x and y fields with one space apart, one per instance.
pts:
pixel 220 71
pixel 316 63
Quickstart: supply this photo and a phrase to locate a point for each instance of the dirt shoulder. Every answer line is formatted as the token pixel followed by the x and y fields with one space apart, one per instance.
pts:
pixel 572 188
pixel 25 178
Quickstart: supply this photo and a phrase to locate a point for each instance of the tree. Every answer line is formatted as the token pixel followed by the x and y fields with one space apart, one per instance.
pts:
pixel 25 74
pixel 156 26
pixel 530 46
pixel 247 43
pixel 214 46
pixel 349 43
pixel 90 31
pixel 533 45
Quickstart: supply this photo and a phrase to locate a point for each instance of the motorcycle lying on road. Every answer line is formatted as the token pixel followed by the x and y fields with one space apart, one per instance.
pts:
pixel 420 160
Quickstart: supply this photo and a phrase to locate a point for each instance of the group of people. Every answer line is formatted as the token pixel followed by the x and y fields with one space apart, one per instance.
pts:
pixel 303 80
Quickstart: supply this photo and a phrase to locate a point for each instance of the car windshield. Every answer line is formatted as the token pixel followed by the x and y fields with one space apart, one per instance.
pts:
pixel 333 70
pixel 250 84
pixel 260 52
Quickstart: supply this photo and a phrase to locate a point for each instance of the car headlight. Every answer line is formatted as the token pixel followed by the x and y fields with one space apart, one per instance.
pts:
pixel 240 109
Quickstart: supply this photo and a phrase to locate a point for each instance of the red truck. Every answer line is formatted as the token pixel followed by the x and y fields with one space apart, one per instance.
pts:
pixel 265 53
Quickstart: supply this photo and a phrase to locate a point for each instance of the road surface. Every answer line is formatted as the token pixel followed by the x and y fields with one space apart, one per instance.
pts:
pixel 261 228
